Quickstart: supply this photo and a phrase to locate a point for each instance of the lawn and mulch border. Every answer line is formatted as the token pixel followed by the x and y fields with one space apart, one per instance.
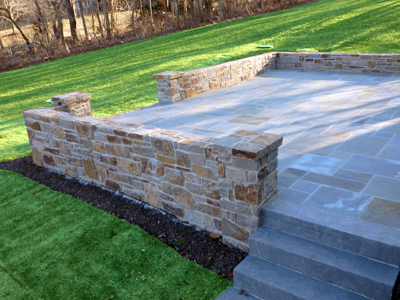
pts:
pixel 54 246
pixel 198 247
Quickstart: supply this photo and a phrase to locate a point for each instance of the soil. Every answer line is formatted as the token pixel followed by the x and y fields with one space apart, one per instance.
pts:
pixel 199 247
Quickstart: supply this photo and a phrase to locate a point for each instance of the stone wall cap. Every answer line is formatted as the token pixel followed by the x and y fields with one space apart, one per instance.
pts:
pixel 168 75
pixel 70 98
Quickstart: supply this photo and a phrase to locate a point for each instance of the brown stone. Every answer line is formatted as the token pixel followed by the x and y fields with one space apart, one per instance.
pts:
pixel 108 160
pixel 234 231
pixel 75 162
pixel 126 141
pixel 166 159
pixel 211 154
pixel 34 125
pixel 213 202
pixel 48 159
pixel 221 169
pixel 183 197
pixel 56 144
pixel 247 193
pixel 112 185
pixel 84 130
pixel 52 151
pixel 175 177
pixel 90 169
pixel 183 159
pixel 112 139
pixel 135 136
pixel 98 147
pixel 71 138
pixel 37 160
pixel 163 147
pixel 70 171
pixel 211 190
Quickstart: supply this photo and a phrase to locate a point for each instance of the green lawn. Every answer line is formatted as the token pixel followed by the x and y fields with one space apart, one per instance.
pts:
pixel 44 248
pixel 54 246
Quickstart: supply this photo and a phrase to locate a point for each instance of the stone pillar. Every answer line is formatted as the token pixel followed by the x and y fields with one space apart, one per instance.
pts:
pixel 75 103
pixel 169 87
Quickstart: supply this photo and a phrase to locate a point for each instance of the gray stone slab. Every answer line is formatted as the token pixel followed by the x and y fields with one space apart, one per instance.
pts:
pixel 345 184
pixel 338 201
pixel 390 152
pixel 395 141
pixel 339 231
pixel 314 144
pixel 382 211
pixel 352 272
pixel 352 175
pixel 340 154
pixel 270 281
pixel 289 176
pixel 363 145
pixel 287 157
pixel 384 187
pixel 375 166
pixel 392 126
pixel 235 294
pixel 305 186
pixel 318 164
pixel 291 195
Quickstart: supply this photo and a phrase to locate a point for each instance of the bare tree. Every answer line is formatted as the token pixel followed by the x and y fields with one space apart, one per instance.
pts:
pixel 80 4
pixel 72 20
pixel 13 11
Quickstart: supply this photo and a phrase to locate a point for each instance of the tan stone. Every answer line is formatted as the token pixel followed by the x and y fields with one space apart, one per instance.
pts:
pixel 37 160
pixel 52 151
pixel 152 197
pixel 209 210
pixel 70 171
pixel 90 169
pixel 233 230
pixel 71 138
pixel 163 147
pixel 205 172
pixel 126 141
pixel 182 159
pixel 152 167
pixel 183 197
pixel 75 162
pixel 58 132
pixel 108 160
pixel 177 211
pixel 128 166
pixel 221 169
pixel 211 190
pixel 84 130
pixel 98 147
pixel 34 125
pixel 248 193
pixel 117 150
pixel 166 159
pixel 175 177
pixel 112 139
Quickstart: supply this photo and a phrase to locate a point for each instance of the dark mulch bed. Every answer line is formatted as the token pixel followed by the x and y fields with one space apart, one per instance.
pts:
pixel 199 246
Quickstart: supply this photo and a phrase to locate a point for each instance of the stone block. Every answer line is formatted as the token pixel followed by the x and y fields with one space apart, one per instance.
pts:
pixel 249 193
pixel 112 185
pixel 236 174
pixel 152 197
pixel 209 210
pixel 183 159
pixel 183 197
pixel 152 167
pixel 117 150
pixel 37 160
pixel 211 189
pixel 233 230
pixel 175 177
pixel 163 147
pixel 90 169
pixel 173 209
pixel 84 130
pixel 128 166
pixel 205 172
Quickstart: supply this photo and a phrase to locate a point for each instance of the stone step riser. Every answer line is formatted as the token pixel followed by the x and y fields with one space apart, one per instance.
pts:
pixel 269 281
pixel 361 275
pixel 333 235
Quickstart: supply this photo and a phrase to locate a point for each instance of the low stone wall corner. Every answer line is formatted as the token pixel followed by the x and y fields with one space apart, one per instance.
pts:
pixel 75 103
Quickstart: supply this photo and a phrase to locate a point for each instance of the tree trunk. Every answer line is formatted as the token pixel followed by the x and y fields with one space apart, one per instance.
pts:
pixel 176 12
pixel 255 2
pixel 108 28
pixel 23 36
pixel 234 6
pixel 98 18
pixel 151 13
pixel 192 8
pixel 83 19
pixel 220 10
pixel 72 19
pixel 201 7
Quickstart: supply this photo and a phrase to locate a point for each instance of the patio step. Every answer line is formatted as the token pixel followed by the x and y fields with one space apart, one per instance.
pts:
pixel 363 238
pixel 352 272
pixel 272 282
pixel 305 253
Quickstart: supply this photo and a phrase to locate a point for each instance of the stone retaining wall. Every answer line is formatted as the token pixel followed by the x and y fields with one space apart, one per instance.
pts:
pixel 175 86
pixel 216 184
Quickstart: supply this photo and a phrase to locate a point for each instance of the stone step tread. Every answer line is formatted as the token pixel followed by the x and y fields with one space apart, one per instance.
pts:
pixel 353 272
pixel 270 281
pixel 344 232
pixel 236 294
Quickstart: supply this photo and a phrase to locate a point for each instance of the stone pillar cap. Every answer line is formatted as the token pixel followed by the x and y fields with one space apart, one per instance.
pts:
pixel 168 75
pixel 70 98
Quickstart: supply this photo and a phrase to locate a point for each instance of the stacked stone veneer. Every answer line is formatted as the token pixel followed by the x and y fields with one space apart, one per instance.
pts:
pixel 216 184
pixel 176 86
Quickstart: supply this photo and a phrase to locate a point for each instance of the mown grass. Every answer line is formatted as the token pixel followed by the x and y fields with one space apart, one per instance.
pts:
pixel 54 246
pixel 120 77
pixel 45 251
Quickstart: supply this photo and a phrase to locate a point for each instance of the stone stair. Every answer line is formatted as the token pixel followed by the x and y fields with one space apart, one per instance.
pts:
pixel 304 253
